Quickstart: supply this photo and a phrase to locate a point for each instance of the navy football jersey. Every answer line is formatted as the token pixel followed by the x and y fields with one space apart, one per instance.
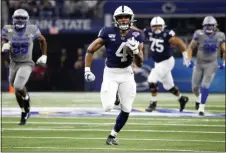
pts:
pixel 116 53
pixel 159 44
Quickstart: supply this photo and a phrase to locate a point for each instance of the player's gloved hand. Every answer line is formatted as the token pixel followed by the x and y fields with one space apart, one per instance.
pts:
pixel 89 76
pixel 6 47
pixel 187 62
pixel 133 45
pixel 221 65
pixel 42 60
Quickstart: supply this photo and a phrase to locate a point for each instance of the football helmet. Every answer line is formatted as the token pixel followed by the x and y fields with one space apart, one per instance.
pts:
pixel 20 19
pixel 158 21
pixel 123 11
pixel 209 24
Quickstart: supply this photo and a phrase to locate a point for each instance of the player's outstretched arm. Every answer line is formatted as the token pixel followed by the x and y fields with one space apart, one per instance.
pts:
pixel 139 58
pixel 93 47
pixel 43 45
pixel 191 47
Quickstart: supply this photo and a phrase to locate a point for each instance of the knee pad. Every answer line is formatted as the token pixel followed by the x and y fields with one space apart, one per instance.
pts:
pixel 174 90
pixel 153 87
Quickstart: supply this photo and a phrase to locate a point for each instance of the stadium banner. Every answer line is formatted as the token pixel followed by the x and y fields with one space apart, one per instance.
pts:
pixel 56 26
pixel 169 7
pixel 182 77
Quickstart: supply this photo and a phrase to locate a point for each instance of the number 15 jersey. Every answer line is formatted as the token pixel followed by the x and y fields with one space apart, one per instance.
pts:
pixel 21 43
pixel 159 44
pixel 115 45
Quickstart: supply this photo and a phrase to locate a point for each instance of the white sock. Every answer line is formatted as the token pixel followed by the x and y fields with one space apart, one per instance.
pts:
pixel 179 96
pixel 113 133
pixel 201 108
pixel 153 98
pixel 198 98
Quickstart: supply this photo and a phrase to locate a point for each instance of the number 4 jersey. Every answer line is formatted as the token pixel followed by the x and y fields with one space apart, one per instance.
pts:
pixel 159 44
pixel 116 52
pixel 21 43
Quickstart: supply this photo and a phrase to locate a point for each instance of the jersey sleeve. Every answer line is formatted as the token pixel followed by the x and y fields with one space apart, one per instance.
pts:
pixel 4 33
pixel 222 38
pixel 171 33
pixel 103 33
pixel 196 35
pixel 35 32
pixel 139 36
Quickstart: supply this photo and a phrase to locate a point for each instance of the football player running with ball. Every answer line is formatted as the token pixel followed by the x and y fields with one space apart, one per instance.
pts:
pixel 160 40
pixel 208 42
pixel 18 40
pixel 122 45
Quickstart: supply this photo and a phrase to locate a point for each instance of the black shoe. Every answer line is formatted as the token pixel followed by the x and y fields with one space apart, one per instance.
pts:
pixel 151 107
pixel 183 100
pixel 197 105
pixel 111 141
pixel 24 117
pixel 201 114
pixel 117 101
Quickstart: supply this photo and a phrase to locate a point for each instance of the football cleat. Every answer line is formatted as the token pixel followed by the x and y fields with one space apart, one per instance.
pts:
pixel 197 105
pixel 117 101
pixel 24 118
pixel 111 141
pixel 201 114
pixel 183 100
pixel 151 107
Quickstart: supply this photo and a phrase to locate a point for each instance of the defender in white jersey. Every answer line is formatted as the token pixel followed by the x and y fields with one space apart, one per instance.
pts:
pixel 123 44
pixel 208 41
pixel 18 40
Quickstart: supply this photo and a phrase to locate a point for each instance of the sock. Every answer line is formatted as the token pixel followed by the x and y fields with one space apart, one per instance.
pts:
pixel 113 133
pixel 179 96
pixel 198 98
pixel 153 99
pixel 19 99
pixel 121 121
pixel 201 107
pixel 204 93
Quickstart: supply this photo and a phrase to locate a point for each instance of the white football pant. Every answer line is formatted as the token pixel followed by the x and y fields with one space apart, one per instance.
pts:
pixel 162 73
pixel 121 80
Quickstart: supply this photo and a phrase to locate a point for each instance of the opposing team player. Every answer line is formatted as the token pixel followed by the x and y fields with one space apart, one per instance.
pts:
pixel 160 40
pixel 208 42
pixel 118 73
pixel 18 40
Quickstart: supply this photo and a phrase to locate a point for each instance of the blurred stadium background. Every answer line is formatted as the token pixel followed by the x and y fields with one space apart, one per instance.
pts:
pixel 59 90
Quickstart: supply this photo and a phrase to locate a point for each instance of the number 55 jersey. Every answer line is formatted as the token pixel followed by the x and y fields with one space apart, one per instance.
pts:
pixel 159 44
pixel 21 43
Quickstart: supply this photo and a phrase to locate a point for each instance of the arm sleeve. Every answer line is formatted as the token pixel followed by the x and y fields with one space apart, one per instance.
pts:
pixel 171 33
pixel 196 36
pixel 4 33
pixel 222 38
pixel 36 32
pixel 102 33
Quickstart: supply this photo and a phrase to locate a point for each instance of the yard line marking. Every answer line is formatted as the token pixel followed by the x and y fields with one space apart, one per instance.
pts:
pixel 104 130
pixel 131 118
pixel 106 124
pixel 50 147
pixel 128 139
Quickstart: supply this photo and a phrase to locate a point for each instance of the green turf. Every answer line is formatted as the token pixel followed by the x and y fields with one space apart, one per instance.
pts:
pixel 70 134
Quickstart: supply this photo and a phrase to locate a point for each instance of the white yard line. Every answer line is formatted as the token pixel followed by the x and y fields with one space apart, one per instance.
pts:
pixel 109 148
pixel 127 139
pixel 105 130
pixel 131 118
pixel 108 123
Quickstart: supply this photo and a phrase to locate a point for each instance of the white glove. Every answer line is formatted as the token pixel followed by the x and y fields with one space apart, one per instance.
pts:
pixel 187 62
pixel 89 76
pixel 133 45
pixel 6 47
pixel 42 60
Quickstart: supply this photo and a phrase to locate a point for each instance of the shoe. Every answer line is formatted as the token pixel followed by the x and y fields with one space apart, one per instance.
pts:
pixel 197 105
pixel 24 118
pixel 111 141
pixel 183 100
pixel 117 101
pixel 151 107
pixel 201 114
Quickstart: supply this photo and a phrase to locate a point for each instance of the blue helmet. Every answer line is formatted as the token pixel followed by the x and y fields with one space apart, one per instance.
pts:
pixel 20 19
pixel 209 24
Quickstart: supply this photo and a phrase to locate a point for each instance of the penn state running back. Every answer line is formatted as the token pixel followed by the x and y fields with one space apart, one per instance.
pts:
pixel 18 40
pixel 160 40
pixel 118 73
pixel 209 42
